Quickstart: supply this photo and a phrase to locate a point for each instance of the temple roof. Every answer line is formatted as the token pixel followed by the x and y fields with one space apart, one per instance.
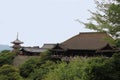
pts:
pixel 88 41
pixel 33 49
pixel 48 46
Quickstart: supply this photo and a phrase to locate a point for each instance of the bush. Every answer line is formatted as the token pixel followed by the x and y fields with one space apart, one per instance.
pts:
pixel 33 65
pixel 95 68
pixel 28 67
pixel 64 71
pixel 6 58
pixel 40 72
pixel 5 51
pixel 91 68
pixel 116 63
pixel 8 72
pixel 98 69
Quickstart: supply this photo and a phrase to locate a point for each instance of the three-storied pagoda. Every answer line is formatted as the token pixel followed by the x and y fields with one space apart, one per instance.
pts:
pixel 16 44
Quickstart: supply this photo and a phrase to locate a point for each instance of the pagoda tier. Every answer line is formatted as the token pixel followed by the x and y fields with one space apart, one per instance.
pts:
pixel 16 46
pixel 16 43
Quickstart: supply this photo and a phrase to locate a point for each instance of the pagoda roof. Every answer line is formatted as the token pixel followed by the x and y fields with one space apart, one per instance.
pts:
pixel 17 41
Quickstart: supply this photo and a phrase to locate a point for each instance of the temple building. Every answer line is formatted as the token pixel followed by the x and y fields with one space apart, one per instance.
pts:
pixel 83 44
pixel 86 44
pixel 31 51
pixel 16 44
pixel 36 50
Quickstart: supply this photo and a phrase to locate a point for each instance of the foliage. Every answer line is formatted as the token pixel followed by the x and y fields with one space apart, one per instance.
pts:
pixel 6 57
pixel 64 71
pixel 117 42
pixel 40 72
pixel 95 68
pixel 59 73
pixel 8 72
pixel 99 69
pixel 79 68
pixel 28 67
pixel 116 62
pixel 5 51
pixel 106 18
pixel 33 65
pixel 46 55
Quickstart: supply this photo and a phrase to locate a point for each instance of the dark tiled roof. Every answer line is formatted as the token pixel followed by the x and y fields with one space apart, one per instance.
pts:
pixel 36 49
pixel 48 46
pixel 87 41
pixel 33 49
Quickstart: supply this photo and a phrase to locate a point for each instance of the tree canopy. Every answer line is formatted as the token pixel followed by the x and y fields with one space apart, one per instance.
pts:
pixel 106 18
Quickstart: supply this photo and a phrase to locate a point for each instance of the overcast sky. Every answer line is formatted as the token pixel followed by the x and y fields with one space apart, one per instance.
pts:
pixel 42 21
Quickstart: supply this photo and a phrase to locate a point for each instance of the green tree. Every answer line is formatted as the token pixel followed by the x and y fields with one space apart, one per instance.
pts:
pixel 95 68
pixel 32 67
pixel 116 62
pixel 5 51
pixel 99 69
pixel 8 72
pixel 64 71
pixel 106 18
pixel 41 71
pixel 59 73
pixel 28 67
pixel 6 57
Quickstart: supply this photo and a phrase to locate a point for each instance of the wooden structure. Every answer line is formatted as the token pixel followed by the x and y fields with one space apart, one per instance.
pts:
pixel 31 51
pixel 35 50
pixel 16 44
pixel 83 44
pixel 86 44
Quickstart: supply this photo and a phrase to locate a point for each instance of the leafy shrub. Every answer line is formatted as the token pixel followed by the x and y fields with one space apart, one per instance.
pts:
pixel 8 72
pixel 79 68
pixel 95 68
pixel 5 51
pixel 7 58
pixel 98 69
pixel 64 71
pixel 33 65
pixel 116 62
pixel 40 72
pixel 28 67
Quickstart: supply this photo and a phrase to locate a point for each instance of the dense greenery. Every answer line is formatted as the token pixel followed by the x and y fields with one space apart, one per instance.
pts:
pixel 36 68
pixel 9 72
pixel 96 68
pixel 6 57
pixel 79 68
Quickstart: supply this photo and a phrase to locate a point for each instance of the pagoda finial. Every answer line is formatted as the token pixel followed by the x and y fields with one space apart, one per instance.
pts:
pixel 17 35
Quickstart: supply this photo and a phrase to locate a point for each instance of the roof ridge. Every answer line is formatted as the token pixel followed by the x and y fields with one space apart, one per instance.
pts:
pixel 91 32
pixel 49 43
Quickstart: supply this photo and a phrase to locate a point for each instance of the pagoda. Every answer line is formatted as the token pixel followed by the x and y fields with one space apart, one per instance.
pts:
pixel 16 44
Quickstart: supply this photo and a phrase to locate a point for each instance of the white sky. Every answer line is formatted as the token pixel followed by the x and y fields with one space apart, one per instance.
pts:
pixel 42 21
